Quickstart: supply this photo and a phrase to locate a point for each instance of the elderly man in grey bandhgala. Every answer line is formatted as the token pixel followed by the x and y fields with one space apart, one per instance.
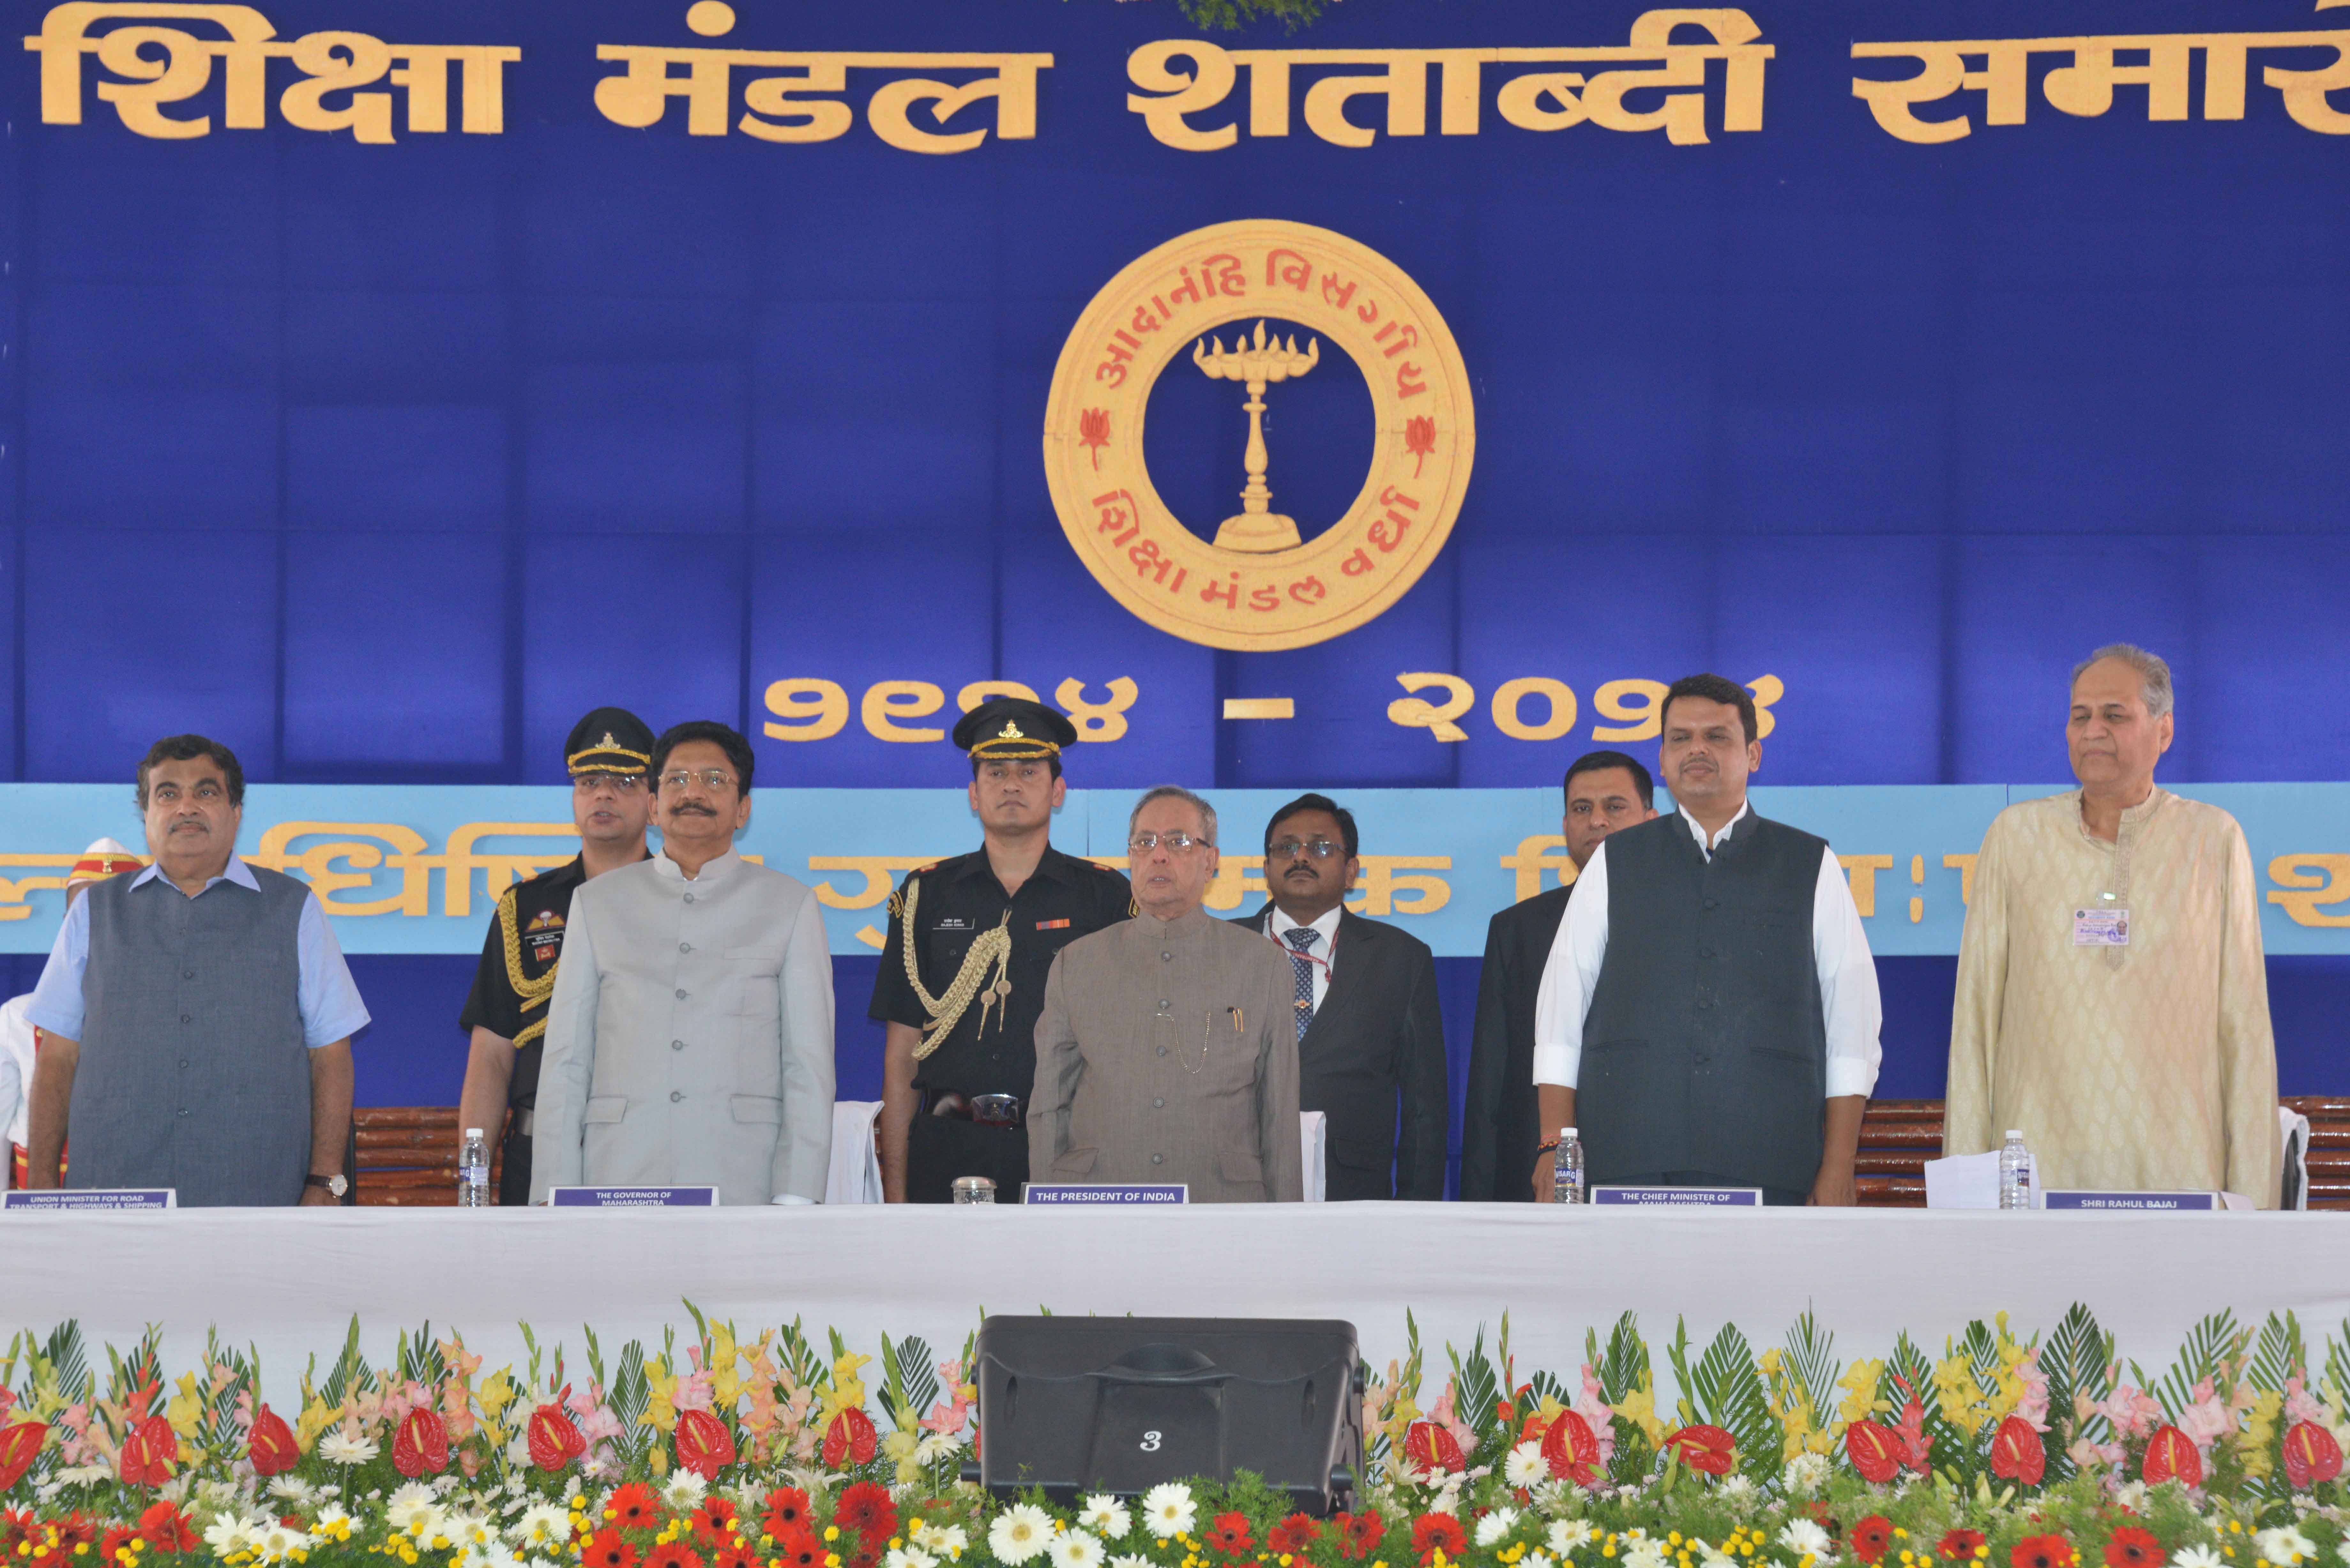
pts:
pixel 1166 1052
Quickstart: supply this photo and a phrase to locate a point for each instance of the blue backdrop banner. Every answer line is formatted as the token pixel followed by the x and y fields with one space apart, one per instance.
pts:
pixel 407 869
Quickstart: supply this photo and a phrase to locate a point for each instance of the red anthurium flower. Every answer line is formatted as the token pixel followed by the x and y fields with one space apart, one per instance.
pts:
pixel 19 1446
pixel 866 1508
pixel 799 1549
pixel 1431 1448
pixel 273 1450
pixel 2129 1547
pixel 1707 1448
pixel 1873 1450
pixel 1230 1535
pixel 166 1529
pixel 788 1509
pixel 2041 1551
pixel 634 1506
pixel 1434 1533
pixel 1960 1546
pixel 1292 1535
pixel 1871 1536
pixel 420 1447
pixel 673 1554
pixel 555 1440
pixel 1359 1533
pixel 704 1445
pixel 148 1453
pixel 1571 1450
pixel 2170 1456
pixel 2017 1454
pixel 849 1440
pixel 608 1549
pixel 2311 1455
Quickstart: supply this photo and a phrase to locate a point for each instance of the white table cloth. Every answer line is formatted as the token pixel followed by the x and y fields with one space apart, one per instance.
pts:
pixel 289 1280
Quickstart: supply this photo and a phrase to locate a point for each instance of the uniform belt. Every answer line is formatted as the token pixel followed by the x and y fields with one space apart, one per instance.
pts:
pixel 987 1110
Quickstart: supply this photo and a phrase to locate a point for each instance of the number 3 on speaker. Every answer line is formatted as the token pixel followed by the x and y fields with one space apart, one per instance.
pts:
pixel 1150 1442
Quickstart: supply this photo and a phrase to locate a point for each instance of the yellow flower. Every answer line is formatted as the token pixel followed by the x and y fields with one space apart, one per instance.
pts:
pixel 848 1391
pixel 659 1412
pixel 186 1409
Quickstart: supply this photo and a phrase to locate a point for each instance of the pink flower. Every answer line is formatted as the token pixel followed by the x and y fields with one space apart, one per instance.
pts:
pixel 2206 1419
pixel 2034 1406
pixel 1444 1416
pixel 2089 1455
pixel 2298 1406
pixel 2132 1412
pixel 1596 1415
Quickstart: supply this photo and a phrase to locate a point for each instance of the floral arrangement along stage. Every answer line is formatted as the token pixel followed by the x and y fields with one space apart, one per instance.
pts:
pixel 2001 1452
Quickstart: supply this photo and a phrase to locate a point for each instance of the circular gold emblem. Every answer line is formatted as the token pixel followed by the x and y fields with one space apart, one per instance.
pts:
pixel 1208 297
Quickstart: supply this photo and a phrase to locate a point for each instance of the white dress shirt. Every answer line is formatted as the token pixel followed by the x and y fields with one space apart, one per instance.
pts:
pixel 1326 951
pixel 1847 975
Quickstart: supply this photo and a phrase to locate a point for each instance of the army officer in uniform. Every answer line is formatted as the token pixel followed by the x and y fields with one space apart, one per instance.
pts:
pixel 963 973
pixel 506 1016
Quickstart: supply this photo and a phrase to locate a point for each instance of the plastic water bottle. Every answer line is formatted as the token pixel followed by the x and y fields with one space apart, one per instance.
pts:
pixel 474 1172
pixel 2014 1172
pixel 1566 1167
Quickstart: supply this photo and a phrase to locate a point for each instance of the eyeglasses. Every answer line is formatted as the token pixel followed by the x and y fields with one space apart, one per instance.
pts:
pixel 713 778
pixel 619 784
pixel 1177 843
pixel 1290 848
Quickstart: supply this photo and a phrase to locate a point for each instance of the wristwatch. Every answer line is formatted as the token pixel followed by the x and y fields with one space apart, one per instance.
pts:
pixel 337 1184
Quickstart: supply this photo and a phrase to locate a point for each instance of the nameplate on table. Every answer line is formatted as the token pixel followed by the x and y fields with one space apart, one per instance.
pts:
pixel 1677 1197
pixel 1085 1194
pixel 2130 1202
pixel 87 1199
pixel 633 1197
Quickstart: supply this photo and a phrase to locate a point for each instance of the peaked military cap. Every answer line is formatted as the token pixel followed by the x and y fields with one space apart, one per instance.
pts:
pixel 1006 729
pixel 608 740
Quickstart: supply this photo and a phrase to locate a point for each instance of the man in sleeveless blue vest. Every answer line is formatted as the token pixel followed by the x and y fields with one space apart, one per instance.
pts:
pixel 197 1015
pixel 1708 1016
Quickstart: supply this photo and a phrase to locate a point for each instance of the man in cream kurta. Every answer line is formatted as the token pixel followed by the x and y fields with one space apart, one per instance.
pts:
pixel 2112 999
pixel 689 1041
pixel 1167 1050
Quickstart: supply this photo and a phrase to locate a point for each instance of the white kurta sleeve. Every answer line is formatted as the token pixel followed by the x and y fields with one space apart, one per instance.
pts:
pixel 804 1016
pixel 1570 977
pixel 567 1060
pixel 1853 1012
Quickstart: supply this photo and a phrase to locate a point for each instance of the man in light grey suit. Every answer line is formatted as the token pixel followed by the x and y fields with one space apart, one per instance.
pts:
pixel 689 1041
pixel 1166 1051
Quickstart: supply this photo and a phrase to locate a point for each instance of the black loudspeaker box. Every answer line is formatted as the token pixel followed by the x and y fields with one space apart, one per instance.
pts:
pixel 1083 1405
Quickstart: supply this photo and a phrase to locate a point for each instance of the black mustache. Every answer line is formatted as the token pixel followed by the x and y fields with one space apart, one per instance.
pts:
pixel 691 811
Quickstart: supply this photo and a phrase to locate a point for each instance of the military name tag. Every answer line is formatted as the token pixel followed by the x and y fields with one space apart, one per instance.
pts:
pixel 1677 1197
pixel 1081 1193
pixel 2130 1202
pixel 88 1199
pixel 633 1197
pixel 2101 928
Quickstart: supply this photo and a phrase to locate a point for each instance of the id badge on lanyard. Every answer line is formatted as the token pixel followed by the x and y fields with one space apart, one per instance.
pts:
pixel 2101 928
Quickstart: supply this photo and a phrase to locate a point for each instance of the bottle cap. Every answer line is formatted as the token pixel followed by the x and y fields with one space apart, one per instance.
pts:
pixel 1567 1132
pixel 2015 1135
pixel 476 1132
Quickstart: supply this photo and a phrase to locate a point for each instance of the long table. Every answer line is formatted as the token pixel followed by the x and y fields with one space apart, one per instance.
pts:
pixel 289 1281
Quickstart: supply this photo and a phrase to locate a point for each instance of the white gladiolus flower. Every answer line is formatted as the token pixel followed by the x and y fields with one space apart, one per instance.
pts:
pixel 1019 1533
pixel 1806 1474
pixel 1525 1466
pixel 1106 1517
pixel 1495 1527
pixel 334 1448
pixel 1169 1511
pixel 2286 1547
pixel 1804 1538
pixel 1077 1548
pixel 1568 1534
